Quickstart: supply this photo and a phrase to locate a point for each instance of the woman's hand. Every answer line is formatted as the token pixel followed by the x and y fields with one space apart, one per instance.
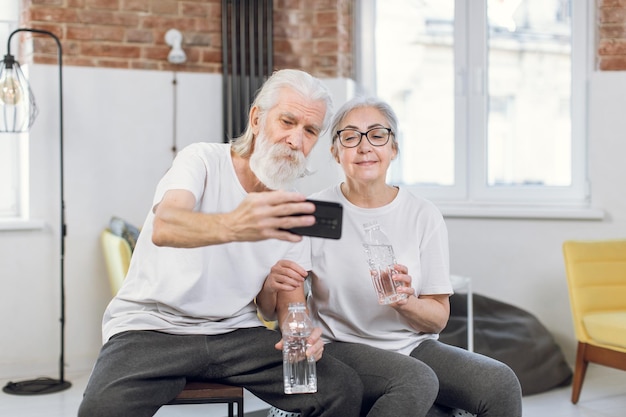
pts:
pixel 402 276
pixel 315 344
pixel 425 313
pixel 284 276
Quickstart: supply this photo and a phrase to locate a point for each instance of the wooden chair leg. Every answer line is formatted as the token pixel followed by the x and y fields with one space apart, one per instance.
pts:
pixel 212 393
pixel 580 370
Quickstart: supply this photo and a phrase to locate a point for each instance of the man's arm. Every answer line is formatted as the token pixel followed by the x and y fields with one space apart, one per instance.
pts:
pixel 259 216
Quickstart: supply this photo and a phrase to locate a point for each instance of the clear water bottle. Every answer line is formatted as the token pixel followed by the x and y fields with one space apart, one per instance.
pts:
pixel 381 260
pixel 298 371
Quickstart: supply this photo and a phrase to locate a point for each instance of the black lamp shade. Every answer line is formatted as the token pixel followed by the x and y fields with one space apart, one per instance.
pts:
pixel 18 109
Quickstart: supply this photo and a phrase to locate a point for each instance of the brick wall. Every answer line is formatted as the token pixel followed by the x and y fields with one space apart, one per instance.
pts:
pixel 611 32
pixel 314 35
pixel 311 35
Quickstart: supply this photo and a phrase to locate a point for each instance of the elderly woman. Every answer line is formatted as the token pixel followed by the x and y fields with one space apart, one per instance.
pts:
pixel 376 340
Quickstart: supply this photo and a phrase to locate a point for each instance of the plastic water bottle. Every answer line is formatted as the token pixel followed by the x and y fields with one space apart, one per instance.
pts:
pixel 381 260
pixel 298 371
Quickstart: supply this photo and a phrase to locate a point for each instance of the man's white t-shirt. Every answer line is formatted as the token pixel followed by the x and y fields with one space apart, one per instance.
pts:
pixel 344 303
pixel 207 290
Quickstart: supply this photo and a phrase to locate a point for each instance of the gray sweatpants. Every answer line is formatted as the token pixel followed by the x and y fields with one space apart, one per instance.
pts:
pixel 399 385
pixel 139 371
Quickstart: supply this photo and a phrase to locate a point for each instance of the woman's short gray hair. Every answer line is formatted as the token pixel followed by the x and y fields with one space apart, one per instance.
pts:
pixel 267 97
pixel 358 103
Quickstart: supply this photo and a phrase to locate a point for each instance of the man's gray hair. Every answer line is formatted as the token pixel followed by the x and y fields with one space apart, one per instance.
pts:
pixel 267 97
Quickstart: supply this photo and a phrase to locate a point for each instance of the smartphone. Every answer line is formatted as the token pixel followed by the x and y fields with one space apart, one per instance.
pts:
pixel 328 219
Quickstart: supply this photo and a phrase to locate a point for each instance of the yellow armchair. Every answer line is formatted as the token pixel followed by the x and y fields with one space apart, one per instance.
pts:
pixel 596 278
pixel 117 253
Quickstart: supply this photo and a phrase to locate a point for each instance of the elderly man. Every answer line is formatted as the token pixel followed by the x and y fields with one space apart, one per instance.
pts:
pixel 216 227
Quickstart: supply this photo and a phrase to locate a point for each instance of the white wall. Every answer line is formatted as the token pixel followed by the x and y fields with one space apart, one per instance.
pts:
pixel 118 139
pixel 520 261
pixel 118 135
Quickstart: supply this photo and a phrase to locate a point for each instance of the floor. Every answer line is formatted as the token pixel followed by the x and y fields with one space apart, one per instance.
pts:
pixel 603 395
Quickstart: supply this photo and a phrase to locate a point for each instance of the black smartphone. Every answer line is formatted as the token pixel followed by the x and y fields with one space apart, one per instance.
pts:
pixel 328 218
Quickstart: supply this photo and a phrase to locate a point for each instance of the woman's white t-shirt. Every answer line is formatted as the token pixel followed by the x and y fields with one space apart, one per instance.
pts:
pixel 343 301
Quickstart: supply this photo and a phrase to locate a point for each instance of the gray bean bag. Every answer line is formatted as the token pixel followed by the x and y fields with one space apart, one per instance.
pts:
pixel 512 336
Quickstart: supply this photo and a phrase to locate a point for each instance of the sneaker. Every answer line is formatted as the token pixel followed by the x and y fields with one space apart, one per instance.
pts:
pixel 275 412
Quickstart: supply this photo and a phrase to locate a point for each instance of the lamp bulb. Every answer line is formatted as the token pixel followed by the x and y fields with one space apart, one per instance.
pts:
pixel 10 91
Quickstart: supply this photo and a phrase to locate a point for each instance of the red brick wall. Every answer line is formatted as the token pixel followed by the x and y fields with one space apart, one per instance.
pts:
pixel 314 35
pixel 611 31
pixel 311 35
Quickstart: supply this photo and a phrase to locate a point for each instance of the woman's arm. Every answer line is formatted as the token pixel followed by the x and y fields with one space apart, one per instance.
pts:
pixel 285 277
pixel 284 298
pixel 425 313
pixel 273 300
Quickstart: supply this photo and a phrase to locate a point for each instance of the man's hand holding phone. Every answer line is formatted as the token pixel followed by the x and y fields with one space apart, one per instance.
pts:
pixel 328 221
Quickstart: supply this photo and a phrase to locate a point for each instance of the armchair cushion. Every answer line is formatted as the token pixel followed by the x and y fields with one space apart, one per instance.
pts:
pixel 608 328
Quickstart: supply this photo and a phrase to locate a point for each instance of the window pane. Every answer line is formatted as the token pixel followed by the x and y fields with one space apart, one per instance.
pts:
pixel 529 81
pixel 9 143
pixel 9 178
pixel 415 75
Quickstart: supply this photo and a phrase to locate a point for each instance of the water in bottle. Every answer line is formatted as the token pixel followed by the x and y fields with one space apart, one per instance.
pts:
pixel 298 371
pixel 381 260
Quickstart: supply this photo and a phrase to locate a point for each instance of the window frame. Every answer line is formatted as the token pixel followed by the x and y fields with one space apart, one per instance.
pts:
pixel 17 156
pixel 470 196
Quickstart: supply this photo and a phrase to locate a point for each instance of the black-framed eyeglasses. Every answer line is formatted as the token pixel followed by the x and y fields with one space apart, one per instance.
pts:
pixel 351 138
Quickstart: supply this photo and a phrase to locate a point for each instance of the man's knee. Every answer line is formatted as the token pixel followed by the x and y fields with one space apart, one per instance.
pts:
pixel 103 405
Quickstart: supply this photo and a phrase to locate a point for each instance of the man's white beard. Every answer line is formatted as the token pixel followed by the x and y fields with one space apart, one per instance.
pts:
pixel 276 165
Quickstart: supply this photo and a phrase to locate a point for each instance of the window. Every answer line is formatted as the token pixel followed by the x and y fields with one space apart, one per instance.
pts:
pixel 13 177
pixel 490 95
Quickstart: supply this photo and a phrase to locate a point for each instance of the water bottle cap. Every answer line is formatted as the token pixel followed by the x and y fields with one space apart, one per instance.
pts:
pixel 371 225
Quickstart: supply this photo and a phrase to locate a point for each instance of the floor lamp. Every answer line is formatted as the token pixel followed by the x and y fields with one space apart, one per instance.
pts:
pixel 18 112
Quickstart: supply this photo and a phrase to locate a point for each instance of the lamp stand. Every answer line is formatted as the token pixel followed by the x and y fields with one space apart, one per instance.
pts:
pixel 47 385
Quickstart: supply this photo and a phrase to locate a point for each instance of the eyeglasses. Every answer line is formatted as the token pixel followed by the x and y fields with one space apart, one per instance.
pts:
pixel 351 138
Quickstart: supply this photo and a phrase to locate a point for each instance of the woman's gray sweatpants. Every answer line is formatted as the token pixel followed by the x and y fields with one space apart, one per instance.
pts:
pixel 399 385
